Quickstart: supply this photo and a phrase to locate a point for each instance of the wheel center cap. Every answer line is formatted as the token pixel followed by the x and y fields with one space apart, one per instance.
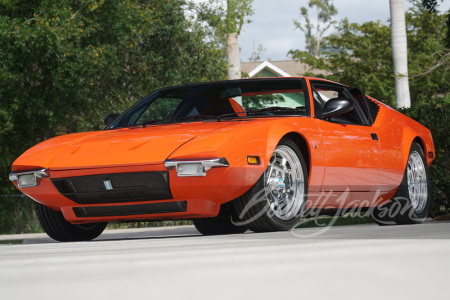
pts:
pixel 280 183
pixel 276 183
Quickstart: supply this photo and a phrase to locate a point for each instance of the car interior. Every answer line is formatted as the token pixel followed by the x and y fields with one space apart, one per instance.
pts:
pixel 322 93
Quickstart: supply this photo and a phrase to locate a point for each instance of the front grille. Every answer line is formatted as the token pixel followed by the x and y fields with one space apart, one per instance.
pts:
pixel 130 210
pixel 115 188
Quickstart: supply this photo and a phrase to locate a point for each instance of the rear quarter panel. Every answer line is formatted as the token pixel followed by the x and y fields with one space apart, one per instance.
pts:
pixel 396 133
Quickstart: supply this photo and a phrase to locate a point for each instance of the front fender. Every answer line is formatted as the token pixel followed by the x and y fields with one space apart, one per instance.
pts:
pixel 253 138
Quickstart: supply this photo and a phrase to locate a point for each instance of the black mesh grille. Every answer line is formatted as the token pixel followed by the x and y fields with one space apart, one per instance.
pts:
pixel 124 187
pixel 130 210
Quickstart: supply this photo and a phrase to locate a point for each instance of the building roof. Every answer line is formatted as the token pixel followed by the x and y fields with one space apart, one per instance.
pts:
pixel 284 68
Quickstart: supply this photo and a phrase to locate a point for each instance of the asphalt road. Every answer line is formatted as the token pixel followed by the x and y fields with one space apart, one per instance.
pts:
pixel 346 262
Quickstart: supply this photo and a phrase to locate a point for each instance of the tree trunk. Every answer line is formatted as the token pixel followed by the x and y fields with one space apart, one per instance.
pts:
pixel 400 53
pixel 233 57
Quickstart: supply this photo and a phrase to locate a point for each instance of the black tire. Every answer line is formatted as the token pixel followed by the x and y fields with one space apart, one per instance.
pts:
pixel 222 224
pixel 253 208
pixel 59 229
pixel 401 210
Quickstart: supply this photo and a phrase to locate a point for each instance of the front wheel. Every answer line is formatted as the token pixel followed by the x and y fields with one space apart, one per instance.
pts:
pixel 275 202
pixel 221 224
pixel 411 202
pixel 59 229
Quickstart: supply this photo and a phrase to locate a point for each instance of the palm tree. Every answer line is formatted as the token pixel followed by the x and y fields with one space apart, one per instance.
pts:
pixel 237 10
pixel 400 53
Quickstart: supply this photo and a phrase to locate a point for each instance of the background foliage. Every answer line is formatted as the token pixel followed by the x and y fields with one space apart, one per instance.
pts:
pixel 361 55
pixel 65 65
pixel 435 115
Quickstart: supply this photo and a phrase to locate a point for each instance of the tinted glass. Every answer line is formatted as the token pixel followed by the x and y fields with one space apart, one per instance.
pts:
pixel 241 98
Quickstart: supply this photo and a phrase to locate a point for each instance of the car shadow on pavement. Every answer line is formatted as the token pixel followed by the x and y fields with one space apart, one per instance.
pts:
pixel 428 230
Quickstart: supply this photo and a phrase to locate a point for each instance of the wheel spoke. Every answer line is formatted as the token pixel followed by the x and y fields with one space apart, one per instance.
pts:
pixel 417 181
pixel 284 183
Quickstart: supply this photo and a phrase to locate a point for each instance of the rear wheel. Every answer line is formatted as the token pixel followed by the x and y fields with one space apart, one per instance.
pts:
pixel 59 229
pixel 411 202
pixel 275 202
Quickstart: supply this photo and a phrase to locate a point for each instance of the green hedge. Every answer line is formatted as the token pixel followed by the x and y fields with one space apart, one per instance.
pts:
pixel 435 116
pixel 17 215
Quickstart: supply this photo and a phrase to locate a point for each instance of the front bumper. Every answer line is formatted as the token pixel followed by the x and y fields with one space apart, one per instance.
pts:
pixel 192 197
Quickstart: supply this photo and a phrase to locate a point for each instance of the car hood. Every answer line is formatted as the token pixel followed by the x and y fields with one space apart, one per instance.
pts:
pixel 120 147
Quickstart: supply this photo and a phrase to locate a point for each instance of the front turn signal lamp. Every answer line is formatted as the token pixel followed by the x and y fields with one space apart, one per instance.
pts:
pixel 253 160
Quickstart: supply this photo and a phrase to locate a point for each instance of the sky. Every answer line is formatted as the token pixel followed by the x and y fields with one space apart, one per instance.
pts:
pixel 273 27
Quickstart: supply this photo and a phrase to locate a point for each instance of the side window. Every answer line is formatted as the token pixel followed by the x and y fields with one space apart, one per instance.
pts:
pixel 283 98
pixel 365 104
pixel 324 92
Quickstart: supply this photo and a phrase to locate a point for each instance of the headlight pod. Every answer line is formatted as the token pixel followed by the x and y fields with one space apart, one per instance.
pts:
pixel 28 178
pixel 195 168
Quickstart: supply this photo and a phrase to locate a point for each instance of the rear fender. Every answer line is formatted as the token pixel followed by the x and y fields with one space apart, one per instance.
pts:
pixel 426 140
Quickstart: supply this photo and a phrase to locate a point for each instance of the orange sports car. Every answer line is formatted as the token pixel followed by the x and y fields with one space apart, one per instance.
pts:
pixel 233 155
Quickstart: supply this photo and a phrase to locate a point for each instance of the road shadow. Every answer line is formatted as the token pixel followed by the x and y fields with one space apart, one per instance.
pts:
pixel 427 230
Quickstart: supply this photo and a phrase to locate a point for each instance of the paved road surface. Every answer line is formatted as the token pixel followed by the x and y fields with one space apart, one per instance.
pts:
pixel 346 262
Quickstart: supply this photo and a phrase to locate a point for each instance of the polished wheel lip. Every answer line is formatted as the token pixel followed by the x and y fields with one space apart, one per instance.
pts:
pixel 417 181
pixel 284 183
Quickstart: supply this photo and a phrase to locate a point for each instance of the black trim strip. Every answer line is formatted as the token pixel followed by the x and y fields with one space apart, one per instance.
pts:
pixel 131 210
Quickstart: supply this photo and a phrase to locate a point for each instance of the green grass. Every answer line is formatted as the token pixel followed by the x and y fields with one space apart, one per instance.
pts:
pixel 339 221
pixel 11 242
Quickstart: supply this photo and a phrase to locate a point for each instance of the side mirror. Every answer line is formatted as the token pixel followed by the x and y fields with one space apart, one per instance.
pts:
pixel 110 119
pixel 336 106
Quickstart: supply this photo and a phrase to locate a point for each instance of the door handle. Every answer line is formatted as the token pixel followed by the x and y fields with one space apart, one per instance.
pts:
pixel 374 136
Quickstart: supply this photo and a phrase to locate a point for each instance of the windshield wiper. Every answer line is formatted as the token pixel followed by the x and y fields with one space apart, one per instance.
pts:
pixel 235 114
pixel 276 109
pixel 194 117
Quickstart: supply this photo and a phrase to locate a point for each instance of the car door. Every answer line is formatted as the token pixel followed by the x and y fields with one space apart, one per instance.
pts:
pixel 351 147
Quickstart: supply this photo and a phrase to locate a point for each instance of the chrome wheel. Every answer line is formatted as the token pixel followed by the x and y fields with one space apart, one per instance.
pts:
pixel 417 181
pixel 284 183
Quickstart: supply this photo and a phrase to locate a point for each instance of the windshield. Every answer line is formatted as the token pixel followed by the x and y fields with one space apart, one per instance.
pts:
pixel 218 101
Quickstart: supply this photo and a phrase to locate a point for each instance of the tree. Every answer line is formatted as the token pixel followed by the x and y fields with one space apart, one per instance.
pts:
pixel 66 64
pixel 400 53
pixel 223 21
pixel 430 5
pixel 447 40
pixel 357 60
pixel 315 30
pixel 237 10
pixel 256 54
